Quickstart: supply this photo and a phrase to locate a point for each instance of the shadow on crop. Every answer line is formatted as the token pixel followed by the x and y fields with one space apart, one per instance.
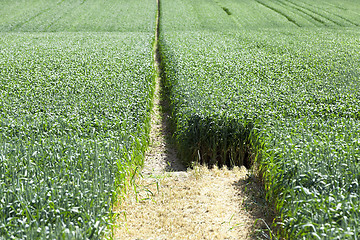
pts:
pixel 254 202
pixel 198 147
pixel 167 124
pixel 171 155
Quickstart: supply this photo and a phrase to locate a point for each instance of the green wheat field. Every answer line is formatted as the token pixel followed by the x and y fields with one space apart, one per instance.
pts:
pixel 269 84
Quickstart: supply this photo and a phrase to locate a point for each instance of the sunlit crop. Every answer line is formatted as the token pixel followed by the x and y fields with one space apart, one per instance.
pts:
pixel 73 122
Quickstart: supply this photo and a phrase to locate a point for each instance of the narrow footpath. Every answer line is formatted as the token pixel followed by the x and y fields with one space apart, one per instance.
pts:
pixel 172 202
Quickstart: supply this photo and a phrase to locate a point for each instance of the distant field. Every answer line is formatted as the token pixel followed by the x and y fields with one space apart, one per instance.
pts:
pixel 75 108
pixel 258 14
pixel 283 13
pixel 77 15
pixel 275 83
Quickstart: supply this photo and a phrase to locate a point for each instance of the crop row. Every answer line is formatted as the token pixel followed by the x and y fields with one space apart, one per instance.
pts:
pixel 74 122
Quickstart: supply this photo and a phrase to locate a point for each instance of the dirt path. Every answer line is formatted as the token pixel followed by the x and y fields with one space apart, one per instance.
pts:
pixel 198 204
pixel 171 202
pixel 174 203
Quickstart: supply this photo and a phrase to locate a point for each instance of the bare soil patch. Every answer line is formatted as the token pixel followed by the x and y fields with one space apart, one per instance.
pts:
pixel 198 204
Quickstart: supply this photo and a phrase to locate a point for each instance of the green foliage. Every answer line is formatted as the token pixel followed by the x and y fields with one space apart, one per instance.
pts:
pixel 74 112
pixel 74 121
pixel 194 15
pixel 77 15
pixel 219 15
pixel 290 100
pixel 270 81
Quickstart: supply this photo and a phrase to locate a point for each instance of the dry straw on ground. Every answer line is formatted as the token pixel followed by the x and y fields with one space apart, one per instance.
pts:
pixel 198 204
